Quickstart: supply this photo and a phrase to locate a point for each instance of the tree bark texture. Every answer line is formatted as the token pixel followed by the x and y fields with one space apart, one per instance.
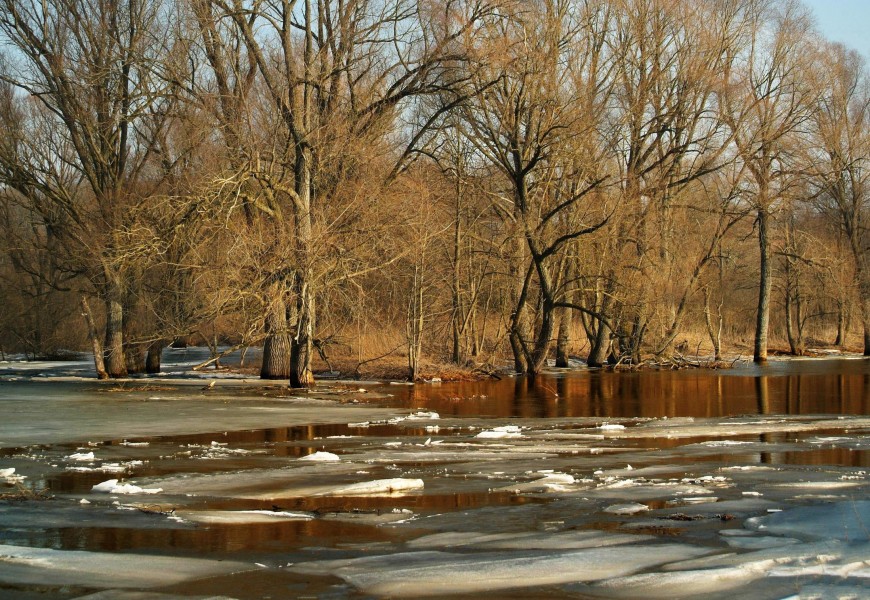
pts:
pixel 276 347
pixel 113 347
pixel 762 321
pixel 563 338
pixel 152 360
pixel 99 362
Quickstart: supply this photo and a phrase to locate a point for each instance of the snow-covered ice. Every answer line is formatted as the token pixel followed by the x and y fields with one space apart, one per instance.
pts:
pixel 321 457
pixel 417 574
pixel 112 486
pixel 396 485
pixel 20 565
pixel 533 503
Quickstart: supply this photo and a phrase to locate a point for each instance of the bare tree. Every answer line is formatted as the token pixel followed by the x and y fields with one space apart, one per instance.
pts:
pixel 93 70
pixel 767 99
pixel 839 152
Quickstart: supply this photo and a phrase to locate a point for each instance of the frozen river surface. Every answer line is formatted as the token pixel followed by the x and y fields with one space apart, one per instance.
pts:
pixel 747 483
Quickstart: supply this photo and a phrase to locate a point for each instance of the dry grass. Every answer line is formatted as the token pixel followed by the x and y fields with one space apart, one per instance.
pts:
pixel 23 494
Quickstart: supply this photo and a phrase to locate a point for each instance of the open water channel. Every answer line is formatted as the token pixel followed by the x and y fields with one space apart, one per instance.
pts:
pixel 658 484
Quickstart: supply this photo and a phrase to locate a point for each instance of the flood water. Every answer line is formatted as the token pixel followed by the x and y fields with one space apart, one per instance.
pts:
pixel 798 387
pixel 522 485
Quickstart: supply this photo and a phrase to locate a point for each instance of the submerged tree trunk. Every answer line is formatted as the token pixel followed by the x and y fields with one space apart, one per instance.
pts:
pixel 134 358
pixel 99 362
pixel 152 360
pixel 762 321
pixel 276 347
pixel 600 347
pixel 113 347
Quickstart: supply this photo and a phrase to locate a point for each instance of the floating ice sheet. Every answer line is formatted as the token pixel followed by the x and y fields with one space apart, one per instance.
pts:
pixel 425 573
pixel 570 540
pixel 112 486
pixel 849 521
pixel 238 517
pixel 42 566
pixel 321 457
pixel 377 487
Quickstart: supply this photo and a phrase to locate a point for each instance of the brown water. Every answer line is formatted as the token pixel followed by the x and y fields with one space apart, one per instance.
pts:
pixel 343 526
pixel 798 387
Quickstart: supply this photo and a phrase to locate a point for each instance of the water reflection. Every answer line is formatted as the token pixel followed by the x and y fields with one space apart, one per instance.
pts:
pixel 794 388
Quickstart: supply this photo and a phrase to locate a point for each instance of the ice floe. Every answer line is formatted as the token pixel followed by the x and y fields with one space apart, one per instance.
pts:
pixel 46 567
pixel 377 487
pixel 112 486
pixel 234 517
pixel 848 521
pixel 505 431
pixel 82 456
pixel 416 574
pixel 630 508
pixel 321 457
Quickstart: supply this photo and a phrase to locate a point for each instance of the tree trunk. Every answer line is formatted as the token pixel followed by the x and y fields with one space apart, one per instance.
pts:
pixel 600 346
pixel 714 332
pixel 457 319
pixel 302 344
pixel 543 339
pixel 865 318
pixel 276 347
pixel 863 273
pixel 793 322
pixel 152 360
pixel 564 337
pixel 764 287
pixel 99 362
pixel 841 325
pixel 134 358
pixel 113 347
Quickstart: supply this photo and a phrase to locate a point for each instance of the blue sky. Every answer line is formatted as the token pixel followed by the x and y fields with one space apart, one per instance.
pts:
pixel 846 21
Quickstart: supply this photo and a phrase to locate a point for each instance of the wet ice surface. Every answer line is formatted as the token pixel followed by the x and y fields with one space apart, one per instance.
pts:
pixel 279 496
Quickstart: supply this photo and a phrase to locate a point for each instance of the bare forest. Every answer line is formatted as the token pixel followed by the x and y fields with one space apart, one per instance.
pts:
pixel 478 183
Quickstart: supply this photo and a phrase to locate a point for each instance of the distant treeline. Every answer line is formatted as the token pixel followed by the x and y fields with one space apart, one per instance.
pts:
pixel 468 181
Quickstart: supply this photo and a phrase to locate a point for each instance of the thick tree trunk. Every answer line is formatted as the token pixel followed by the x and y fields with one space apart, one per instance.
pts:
pixel 600 346
pixel 518 352
pixel 113 347
pixel 762 321
pixel 134 358
pixel 276 347
pixel 99 362
pixel 152 360
pixel 543 339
